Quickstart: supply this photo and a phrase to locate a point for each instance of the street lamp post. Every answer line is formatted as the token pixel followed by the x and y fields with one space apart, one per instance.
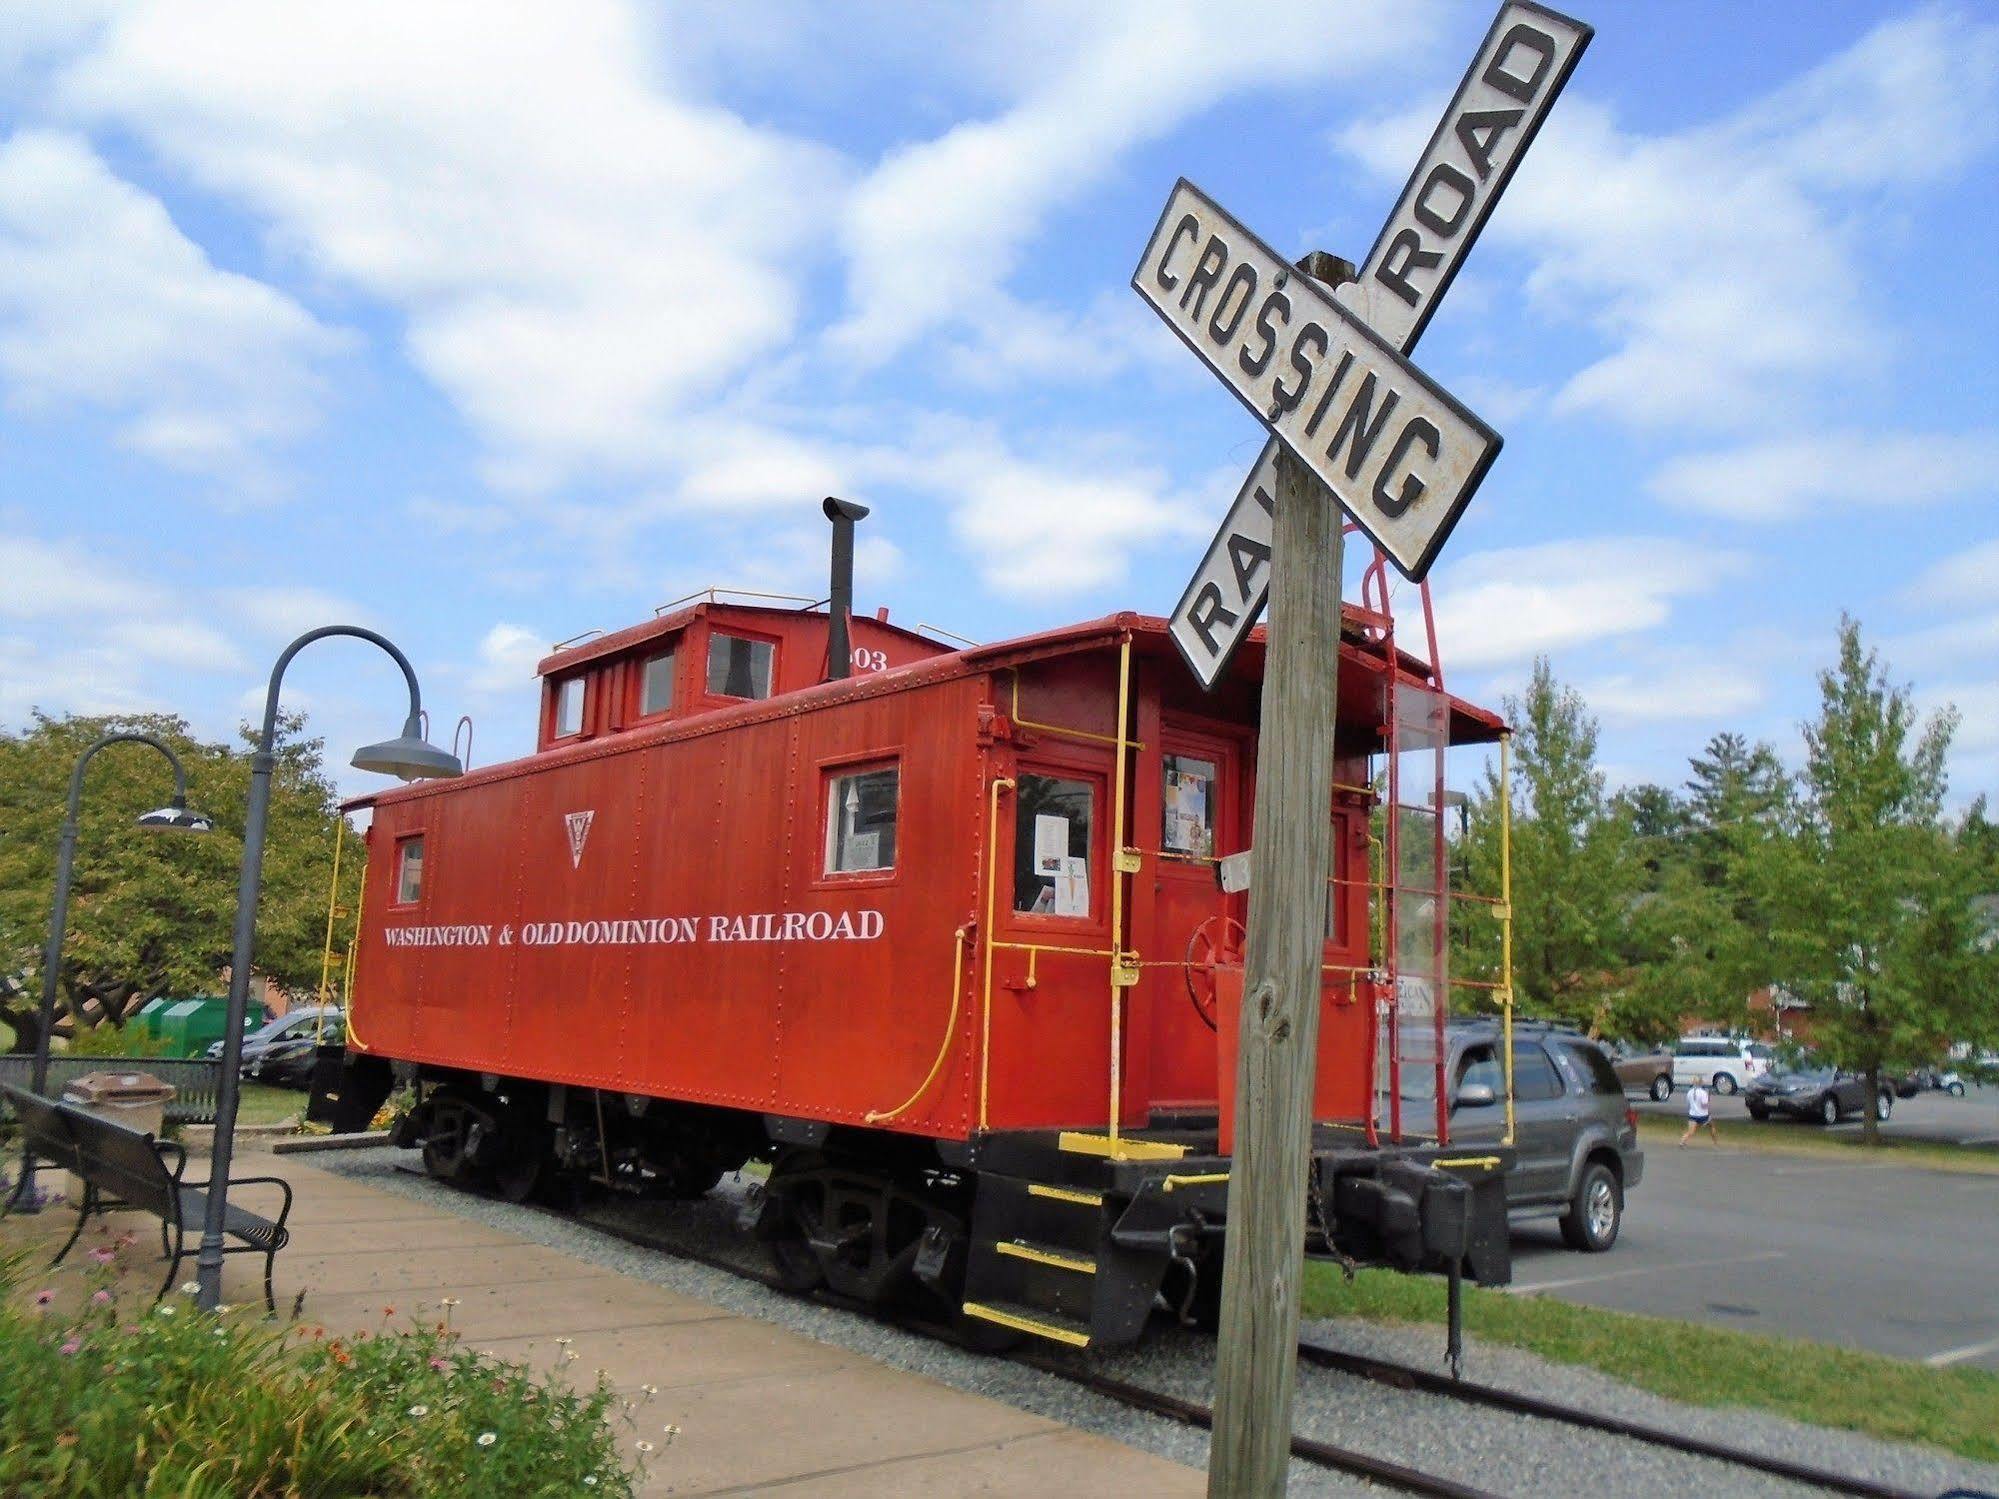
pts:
pixel 173 815
pixel 407 756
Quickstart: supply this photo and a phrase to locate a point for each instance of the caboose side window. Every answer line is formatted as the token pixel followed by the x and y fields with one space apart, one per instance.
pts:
pixel 738 667
pixel 1054 818
pixel 656 684
pixel 409 870
pixel 569 708
pixel 860 820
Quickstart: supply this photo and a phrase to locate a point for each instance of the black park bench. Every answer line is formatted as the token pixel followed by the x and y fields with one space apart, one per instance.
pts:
pixel 125 1168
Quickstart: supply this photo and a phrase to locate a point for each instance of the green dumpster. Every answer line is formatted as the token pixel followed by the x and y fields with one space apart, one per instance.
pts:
pixel 188 1027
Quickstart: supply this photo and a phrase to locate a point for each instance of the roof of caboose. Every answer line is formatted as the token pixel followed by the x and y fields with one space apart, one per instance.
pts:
pixel 673 619
pixel 1469 723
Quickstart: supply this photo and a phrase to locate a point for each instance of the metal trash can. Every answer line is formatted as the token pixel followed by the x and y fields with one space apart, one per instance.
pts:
pixel 137 1100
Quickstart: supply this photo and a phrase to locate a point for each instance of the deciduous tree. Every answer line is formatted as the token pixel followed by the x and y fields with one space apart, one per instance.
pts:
pixel 150 912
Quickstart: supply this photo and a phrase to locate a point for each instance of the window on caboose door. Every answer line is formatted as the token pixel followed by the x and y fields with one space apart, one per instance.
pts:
pixel 1054 824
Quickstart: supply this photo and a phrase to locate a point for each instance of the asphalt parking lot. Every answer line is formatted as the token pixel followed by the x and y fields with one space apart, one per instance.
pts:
pixel 1970 1120
pixel 1900 1259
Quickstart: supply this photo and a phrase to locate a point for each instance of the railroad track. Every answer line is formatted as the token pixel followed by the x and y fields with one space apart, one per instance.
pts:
pixel 1308 1449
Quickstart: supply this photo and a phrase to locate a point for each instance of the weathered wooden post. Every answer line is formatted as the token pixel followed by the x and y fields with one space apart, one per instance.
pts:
pixel 1354 427
pixel 1279 1036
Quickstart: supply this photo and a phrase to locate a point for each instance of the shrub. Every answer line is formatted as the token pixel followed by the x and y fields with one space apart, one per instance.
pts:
pixel 102 1392
pixel 109 1040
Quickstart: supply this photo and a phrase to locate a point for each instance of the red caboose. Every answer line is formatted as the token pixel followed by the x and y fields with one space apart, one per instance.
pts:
pixel 942 940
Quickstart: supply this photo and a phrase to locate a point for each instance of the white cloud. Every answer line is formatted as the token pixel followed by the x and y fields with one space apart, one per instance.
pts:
pixel 1722 263
pixel 1502 607
pixel 507 658
pixel 1971 577
pixel 105 303
pixel 287 611
pixel 938 227
pixel 578 256
pixel 1788 477
pixel 1977 704
pixel 1061 522
pixel 96 636
pixel 1697 689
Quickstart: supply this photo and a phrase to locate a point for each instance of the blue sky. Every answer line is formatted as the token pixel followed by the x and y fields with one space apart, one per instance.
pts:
pixel 487 324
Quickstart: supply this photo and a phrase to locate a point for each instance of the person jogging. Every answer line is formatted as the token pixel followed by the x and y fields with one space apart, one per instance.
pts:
pixel 1699 1116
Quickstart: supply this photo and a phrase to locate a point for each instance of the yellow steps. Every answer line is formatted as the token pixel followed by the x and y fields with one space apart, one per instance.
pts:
pixel 1040 1254
pixel 1040 1324
pixel 1124 1148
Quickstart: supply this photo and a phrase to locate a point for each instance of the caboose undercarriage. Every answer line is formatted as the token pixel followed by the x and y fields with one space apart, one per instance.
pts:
pixel 1056 1234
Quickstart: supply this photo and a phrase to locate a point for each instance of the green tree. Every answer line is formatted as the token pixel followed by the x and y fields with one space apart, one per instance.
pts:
pixel 151 912
pixel 1870 895
pixel 1575 869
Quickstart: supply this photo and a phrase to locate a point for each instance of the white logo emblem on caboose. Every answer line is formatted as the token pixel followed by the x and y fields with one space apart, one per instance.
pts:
pixel 578 824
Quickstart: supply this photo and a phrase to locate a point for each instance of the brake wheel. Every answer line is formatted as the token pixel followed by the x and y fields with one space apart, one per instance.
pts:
pixel 1215 943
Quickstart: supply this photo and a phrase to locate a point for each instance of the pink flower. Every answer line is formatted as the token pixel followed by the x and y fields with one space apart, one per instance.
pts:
pixel 103 1255
pixel 43 1298
pixel 69 1348
pixel 439 1365
pixel 100 1298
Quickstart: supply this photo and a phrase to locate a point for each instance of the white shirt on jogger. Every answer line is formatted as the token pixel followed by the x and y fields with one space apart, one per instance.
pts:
pixel 1696 1102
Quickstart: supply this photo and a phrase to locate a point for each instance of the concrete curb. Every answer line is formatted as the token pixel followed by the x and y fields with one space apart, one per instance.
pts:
pixel 363 1140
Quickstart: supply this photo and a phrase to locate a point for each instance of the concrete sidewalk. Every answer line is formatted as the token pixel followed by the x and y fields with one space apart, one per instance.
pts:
pixel 760 1409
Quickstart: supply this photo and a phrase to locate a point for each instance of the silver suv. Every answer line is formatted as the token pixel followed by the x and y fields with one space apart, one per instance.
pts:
pixel 1575 1137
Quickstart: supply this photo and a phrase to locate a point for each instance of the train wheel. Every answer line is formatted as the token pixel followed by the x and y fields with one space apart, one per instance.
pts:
pixel 446 1143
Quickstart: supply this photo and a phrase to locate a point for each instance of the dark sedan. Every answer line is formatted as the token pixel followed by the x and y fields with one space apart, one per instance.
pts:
pixel 1813 1093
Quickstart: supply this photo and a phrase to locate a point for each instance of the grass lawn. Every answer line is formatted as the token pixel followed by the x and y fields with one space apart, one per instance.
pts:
pixel 260 1103
pixel 1786 1138
pixel 1957 1409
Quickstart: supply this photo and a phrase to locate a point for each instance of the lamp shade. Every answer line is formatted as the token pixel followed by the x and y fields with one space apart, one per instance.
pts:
pixel 408 757
pixel 174 815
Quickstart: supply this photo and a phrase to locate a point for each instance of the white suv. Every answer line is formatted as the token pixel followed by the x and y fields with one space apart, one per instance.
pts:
pixel 1723 1064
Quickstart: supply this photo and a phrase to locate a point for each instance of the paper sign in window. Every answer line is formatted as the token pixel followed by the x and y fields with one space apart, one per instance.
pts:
pixel 1051 842
pixel 1072 887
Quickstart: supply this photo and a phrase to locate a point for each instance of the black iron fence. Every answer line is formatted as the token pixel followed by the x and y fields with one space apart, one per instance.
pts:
pixel 195 1079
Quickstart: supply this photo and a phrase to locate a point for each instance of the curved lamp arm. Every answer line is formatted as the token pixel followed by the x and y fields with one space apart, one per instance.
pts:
pixel 84 759
pixel 412 726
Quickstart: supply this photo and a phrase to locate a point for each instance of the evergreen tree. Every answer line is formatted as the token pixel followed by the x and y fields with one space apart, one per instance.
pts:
pixel 1574 869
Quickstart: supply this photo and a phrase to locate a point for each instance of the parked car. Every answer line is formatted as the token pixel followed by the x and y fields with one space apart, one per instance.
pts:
pixel 1724 1064
pixel 1644 1071
pixel 1575 1137
pixel 289 1062
pixel 309 1023
pixel 1923 1079
pixel 1820 1093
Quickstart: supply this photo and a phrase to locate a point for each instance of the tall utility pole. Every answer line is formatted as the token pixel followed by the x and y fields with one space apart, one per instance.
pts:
pixel 1256 1361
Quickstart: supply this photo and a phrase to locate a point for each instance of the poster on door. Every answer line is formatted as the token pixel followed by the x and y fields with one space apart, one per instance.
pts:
pixel 1187 797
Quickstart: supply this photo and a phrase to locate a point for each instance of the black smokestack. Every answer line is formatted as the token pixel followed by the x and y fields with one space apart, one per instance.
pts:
pixel 839 652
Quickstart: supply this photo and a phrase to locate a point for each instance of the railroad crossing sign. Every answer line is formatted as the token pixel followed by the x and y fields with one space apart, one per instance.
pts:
pixel 1514 79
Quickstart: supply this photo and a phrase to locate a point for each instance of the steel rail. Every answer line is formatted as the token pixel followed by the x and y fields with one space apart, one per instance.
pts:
pixel 1429 1381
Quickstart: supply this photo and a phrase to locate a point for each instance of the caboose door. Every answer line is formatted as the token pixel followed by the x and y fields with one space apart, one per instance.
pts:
pixel 1202 814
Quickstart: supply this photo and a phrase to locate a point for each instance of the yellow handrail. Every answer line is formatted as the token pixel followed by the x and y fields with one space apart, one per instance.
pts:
pixel 353 955
pixel 1056 728
pixel 943 1046
pixel 326 952
pixel 992 889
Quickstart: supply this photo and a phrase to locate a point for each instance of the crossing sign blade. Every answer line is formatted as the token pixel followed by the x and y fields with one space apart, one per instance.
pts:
pixel 1399 453
pixel 1514 79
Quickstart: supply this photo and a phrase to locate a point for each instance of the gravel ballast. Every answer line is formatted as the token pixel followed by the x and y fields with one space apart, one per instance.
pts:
pixel 1492 1449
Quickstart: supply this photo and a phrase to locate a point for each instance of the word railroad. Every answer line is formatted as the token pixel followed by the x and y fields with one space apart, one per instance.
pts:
pixel 1514 79
pixel 648 931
